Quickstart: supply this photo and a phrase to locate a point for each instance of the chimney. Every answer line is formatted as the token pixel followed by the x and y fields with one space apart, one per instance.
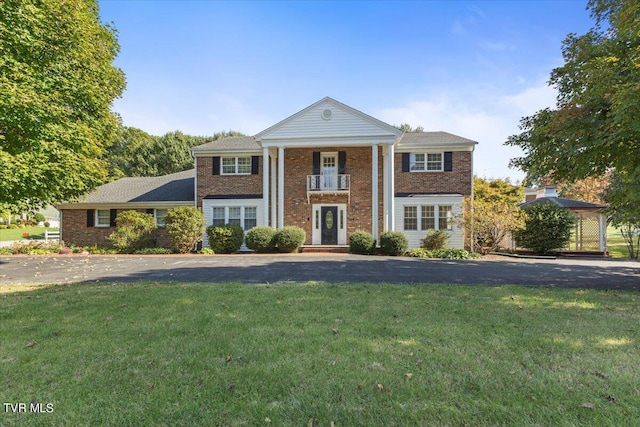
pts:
pixel 547 191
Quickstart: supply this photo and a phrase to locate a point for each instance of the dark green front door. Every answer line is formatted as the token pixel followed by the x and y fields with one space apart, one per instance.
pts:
pixel 329 227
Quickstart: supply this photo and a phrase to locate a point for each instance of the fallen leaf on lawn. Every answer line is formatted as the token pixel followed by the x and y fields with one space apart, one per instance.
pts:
pixel 231 386
pixel 267 420
pixel 601 374
pixel 611 399
pixel 408 375
pixel 380 387
pixel 335 330
pixel 512 372
pixel 30 344
pixel 228 358
pixel 587 405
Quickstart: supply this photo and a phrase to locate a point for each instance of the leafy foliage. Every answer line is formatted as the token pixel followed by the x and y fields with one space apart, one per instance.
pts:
pixel 420 253
pixel 184 226
pixel 362 242
pixel 435 239
pixel 453 254
pixel 134 231
pixel 261 239
pixel 393 243
pixel 406 127
pixel 547 227
pixel 595 126
pixel 290 238
pixel 225 239
pixel 624 210
pixel 57 83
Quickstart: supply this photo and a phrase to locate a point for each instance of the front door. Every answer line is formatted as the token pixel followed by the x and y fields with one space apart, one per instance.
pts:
pixel 329 227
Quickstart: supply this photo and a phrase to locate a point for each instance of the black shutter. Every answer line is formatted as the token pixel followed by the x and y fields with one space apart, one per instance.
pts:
pixel 316 163
pixel 112 217
pixel 254 164
pixel 448 161
pixel 216 165
pixel 91 217
pixel 150 211
pixel 342 162
pixel 406 160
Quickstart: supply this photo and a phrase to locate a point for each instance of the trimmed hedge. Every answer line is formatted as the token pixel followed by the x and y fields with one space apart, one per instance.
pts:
pixel 225 239
pixel 289 239
pixel 362 243
pixel 435 239
pixel 261 239
pixel 184 226
pixel 393 243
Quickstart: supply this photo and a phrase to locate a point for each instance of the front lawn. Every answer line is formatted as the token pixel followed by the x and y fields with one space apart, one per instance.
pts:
pixel 16 233
pixel 313 354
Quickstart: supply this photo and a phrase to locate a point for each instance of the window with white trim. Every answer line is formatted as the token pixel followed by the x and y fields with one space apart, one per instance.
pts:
pixel 103 218
pixel 445 216
pixel 410 217
pixel 426 162
pixel 236 165
pixel 159 215
pixel 244 216
pixel 428 217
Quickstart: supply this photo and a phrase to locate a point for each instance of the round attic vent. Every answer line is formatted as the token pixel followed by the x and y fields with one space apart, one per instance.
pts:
pixel 326 114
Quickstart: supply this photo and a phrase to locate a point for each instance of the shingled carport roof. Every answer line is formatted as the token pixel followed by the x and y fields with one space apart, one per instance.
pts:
pixel 565 203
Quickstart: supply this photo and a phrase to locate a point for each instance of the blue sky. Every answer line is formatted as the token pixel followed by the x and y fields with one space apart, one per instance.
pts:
pixel 472 68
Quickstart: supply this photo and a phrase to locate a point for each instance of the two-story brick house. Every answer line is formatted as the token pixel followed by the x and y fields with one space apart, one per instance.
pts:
pixel 331 170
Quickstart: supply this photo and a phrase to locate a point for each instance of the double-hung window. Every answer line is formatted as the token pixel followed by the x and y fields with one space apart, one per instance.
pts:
pixel 426 162
pixel 244 216
pixel 159 216
pixel 236 165
pixel 444 218
pixel 103 217
pixel 428 217
pixel 410 217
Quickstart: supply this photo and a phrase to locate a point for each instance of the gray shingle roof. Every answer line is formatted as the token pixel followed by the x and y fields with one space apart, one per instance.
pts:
pixel 565 203
pixel 432 138
pixel 229 143
pixel 176 187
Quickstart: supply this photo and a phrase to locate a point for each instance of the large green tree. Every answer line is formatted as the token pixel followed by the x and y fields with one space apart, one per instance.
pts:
pixel 595 127
pixel 57 85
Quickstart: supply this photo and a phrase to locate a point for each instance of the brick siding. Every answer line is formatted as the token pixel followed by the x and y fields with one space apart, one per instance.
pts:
pixel 209 184
pixel 456 181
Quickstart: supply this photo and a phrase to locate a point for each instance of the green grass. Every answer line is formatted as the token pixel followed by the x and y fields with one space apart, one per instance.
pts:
pixel 16 233
pixel 616 245
pixel 312 354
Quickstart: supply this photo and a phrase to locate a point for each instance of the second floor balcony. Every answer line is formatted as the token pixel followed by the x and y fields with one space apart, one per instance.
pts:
pixel 328 184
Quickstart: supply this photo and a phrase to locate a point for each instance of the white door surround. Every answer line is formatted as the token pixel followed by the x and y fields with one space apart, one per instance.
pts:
pixel 316 222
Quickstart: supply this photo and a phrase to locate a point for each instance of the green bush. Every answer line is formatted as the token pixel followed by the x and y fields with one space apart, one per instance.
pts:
pixel 289 239
pixel 393 243
pixel 453 254
pixel 38 217
pixel 207 251
pixel 225 239
pixel 133 231
pixel 362 242
pixel 3 227
pixel 420 253
pixel 435 239
pixel 261 239
pixel 153 251
pixel 547 227
pixel 13 226
pixel 184 226
pixel 47 224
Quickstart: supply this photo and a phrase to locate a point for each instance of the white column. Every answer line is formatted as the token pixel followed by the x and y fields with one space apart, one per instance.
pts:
pixel 265 186
pixel 385 189
pixel 280 187
pixel 603 232
pixel 391 187
pixel 274 191
pixel 374 191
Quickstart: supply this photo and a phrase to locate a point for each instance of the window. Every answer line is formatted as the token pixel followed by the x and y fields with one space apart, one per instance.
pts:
pixel 329 170
pixel 103 218
pixel 236 166
pixel 410 217
pixel 159 216
pixel 244 216
pixel 444 218
pixel 218 216
pixel 428 218
pixel 429 162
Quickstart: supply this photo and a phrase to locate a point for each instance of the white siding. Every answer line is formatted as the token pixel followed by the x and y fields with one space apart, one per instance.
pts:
pixel 207 210
pixel 456 238
pixel 310 124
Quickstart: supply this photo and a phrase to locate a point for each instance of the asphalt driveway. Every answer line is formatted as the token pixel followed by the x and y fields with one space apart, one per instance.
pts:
pixel 251 268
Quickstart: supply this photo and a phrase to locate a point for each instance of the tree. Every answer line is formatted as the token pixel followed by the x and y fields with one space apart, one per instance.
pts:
pixel 406 127
pixel 58 83
pixel 624 211
pixel 594 128
pixel 547 227
pixel 495 212
pixel 184 225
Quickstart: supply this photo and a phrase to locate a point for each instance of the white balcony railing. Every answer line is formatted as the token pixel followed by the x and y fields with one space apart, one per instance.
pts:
pixel 328 184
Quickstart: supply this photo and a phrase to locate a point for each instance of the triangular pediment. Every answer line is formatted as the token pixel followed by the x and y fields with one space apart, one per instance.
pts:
pixel 329 120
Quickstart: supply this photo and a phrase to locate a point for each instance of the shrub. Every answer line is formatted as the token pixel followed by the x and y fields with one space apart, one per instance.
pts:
pixel 47 224
pixel 393 243
pixel 435 239
pixel 362 242
pixel 153 251
pixel 133 231
pixel 453 254
pixel 547 226
pixel 13 226
pixel 207 251
pixel 184 226
pixel 225 239
pixel 289 239
pixel 420 253
pixel 3 227
pixel 38 217
pixel 261 239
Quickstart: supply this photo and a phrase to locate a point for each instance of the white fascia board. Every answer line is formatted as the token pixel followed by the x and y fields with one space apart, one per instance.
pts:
pixel 125 205
pixel 330 142
pixel 434 147
pixel 227 152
